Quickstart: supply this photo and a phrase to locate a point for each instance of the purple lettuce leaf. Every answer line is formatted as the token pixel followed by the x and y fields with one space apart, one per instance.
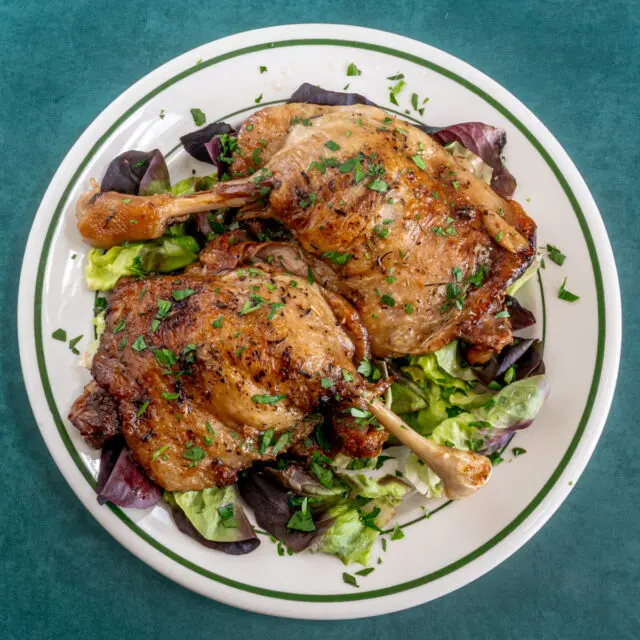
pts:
pixel 525 355
pixel 132 170
pixel 317 95
pixel 270 504
pixel 236 548
pixel 485 141
pixel 204 145
pixel 522 402
pixel 520 317
pixel 121 481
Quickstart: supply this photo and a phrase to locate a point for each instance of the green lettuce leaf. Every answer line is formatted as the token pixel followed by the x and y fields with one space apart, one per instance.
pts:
pixel 422 477
pixel 348 535
pixel 163 255
pixel 524 278
pixel 449 360
pixel 215 513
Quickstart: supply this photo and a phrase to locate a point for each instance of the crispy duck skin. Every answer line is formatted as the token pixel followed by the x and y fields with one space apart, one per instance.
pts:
pixel 421 247
pixel 213 366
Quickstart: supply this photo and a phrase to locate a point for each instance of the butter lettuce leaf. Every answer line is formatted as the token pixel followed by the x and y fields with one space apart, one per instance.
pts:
pixel 164 255
pixel 216 514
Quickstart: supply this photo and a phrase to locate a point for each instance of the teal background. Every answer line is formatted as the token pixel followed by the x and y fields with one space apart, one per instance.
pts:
pixel 575 64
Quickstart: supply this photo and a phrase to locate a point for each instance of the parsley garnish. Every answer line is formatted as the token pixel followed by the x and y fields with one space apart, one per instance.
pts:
pixel 282 441
pixel 518 451
pixel 331 145
pixel 59 334
pixel 258 100
pixel 181 294
pixel 336 257
pixel 379 185
pixel 139 344
pixel 227 515
pixel 263 69
pixel 195 454
pixel 217 323
pixel 170 396
pixel 349 579
pixel 388 300
pixel 143 408
pixel 563 294
pixel 398 533
pixel 352 70
pixel 265 440
pixel 122 323
pixel 419 162
pixel 198 117
pixel 555 254
pixel 264 398
pixel 408 309
pixel 365 572
pixel 158 452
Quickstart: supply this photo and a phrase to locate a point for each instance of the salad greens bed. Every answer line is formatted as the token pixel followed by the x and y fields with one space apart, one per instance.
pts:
pixel 338 505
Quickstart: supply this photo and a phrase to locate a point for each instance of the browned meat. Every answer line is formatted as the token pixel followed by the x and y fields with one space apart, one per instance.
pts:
pixel 410 225
pixel 421 247
pixel 203 366
pixel 95 415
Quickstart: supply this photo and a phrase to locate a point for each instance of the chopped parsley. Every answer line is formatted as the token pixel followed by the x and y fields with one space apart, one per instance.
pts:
pixel 258 100
pixel 379 185
pixel 326 383
pixel 365 572
pixel 195 454
pixel 265 440
pixel 252 305
pixel 352 70
pixel 382 232
pixel 227 515
pixel 139 344
pixel 518 451
pixel 336 257
pixel 503 314
pixel 275 306
pixel 217 323
pixel 408 309
pixel 388 300
pixel 143 408
pixel 331 145
pixel 347 376
pixel 198 117
pixel 555 254
pixel 398 533
pixel 263 69
pixel 158 452
pixel 302 520
pixel 398 76
pixel 264 398
pixel 419 162
pixel 282 441
pixel 59 334
pixel 349 579
pixel 170 396
pixel 181 294
pixel 563 294
pixel 122 323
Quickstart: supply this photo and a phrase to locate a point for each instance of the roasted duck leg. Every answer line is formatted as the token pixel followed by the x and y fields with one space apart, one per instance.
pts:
pixel 210 373
pixel 421 247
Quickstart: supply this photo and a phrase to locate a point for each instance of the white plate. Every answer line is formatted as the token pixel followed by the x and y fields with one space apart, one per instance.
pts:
pixel 464 540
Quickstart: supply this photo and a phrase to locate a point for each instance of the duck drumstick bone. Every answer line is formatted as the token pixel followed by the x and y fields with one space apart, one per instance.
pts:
pixel 462 472
pixel 107 218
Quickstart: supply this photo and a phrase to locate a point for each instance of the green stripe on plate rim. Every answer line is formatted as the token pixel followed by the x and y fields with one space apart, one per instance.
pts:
pixel 516 522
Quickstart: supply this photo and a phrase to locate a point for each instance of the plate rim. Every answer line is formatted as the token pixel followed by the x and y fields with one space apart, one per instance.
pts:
pixel 608 337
